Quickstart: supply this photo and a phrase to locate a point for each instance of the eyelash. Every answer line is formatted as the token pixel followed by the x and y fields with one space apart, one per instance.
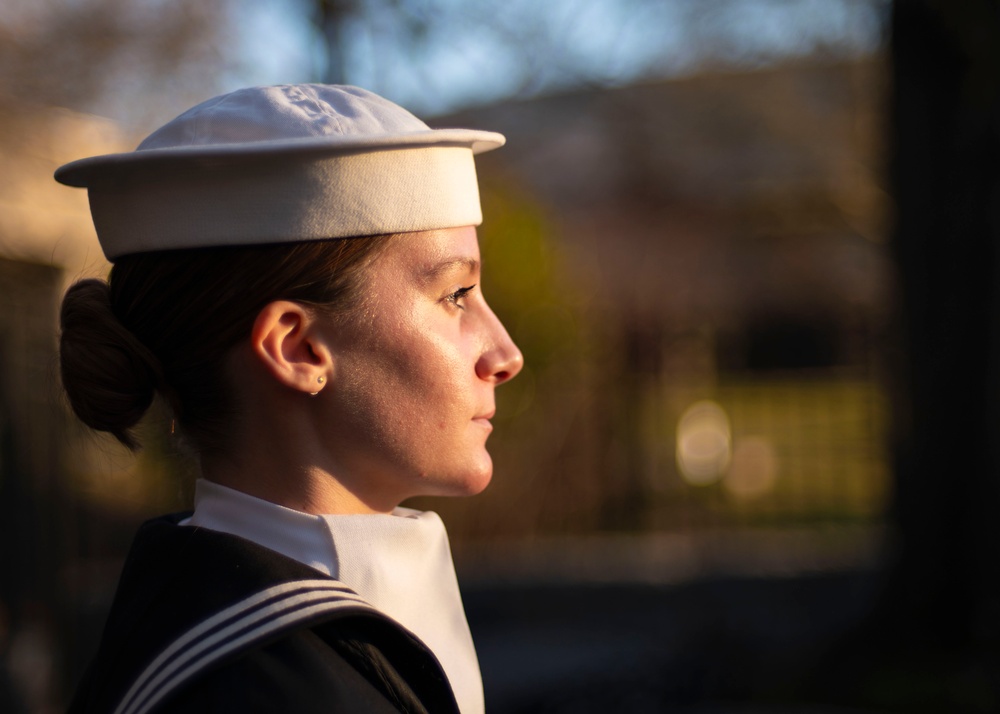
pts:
pixel 458 295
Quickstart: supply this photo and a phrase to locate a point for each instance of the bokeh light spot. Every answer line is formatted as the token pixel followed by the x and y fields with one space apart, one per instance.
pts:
pixel 754 468
pixel 704 443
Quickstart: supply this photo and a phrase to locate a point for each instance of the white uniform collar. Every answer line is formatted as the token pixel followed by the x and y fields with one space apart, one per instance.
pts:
pixel 400 563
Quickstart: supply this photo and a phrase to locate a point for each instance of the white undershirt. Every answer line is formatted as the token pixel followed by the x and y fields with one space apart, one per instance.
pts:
pixel 400 563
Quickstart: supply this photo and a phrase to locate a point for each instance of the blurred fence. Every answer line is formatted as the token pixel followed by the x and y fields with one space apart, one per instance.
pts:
pixel 790 449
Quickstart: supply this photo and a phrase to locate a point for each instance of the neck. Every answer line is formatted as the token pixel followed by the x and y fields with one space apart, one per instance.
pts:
pixel 308 489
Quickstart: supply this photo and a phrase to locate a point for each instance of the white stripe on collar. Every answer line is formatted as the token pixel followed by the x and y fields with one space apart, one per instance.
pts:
pixel 400 563
pixel 238 626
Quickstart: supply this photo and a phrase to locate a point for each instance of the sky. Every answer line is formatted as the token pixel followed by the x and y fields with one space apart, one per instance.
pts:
pixel 472 52
pixel 431 56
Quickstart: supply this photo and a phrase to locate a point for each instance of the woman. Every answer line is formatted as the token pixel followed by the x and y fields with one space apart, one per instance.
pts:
pixel 322 377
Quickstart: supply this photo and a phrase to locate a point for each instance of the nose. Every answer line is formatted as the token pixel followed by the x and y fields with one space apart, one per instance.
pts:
pixel 501 360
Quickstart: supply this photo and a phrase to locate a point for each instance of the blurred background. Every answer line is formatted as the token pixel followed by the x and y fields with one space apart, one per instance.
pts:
pixel 748 248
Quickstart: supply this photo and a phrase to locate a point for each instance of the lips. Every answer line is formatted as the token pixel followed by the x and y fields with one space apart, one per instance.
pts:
pixel 484 419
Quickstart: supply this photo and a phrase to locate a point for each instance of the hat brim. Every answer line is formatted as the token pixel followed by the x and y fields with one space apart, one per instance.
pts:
pixel 85 172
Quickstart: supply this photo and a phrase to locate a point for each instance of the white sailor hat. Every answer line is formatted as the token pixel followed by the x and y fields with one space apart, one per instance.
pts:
pixel 280 164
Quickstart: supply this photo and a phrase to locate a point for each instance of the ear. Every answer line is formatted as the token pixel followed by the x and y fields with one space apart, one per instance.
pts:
pixel 287 342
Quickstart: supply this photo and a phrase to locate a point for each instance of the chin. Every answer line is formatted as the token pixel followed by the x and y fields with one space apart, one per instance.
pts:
pixel 477 480
pixel 468 482
pixel 477 486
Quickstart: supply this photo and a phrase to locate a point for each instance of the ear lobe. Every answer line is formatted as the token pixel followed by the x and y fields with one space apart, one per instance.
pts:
pixel 285 340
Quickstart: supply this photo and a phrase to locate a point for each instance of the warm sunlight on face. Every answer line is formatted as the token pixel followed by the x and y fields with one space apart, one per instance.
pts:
pixel 412 389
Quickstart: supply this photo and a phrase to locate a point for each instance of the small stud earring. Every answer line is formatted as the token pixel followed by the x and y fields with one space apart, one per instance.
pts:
pixel 319 380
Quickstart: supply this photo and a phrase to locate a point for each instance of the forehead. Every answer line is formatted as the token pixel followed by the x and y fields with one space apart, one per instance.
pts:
pixel 431 254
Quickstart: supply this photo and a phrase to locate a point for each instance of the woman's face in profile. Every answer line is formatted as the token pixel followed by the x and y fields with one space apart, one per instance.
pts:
pixel 407 411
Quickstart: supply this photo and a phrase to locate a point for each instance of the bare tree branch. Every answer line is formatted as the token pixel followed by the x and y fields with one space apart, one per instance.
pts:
pixel 99 55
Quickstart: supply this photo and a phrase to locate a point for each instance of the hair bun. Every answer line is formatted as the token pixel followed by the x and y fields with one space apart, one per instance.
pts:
pixel 109 376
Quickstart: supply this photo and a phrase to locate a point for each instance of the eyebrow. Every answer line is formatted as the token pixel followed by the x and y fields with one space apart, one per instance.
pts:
pixel 445 266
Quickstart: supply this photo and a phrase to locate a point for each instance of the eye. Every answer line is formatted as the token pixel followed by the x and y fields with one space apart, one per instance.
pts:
pixel 458 296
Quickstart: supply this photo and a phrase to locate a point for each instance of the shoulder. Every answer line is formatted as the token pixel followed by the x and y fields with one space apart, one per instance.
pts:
pixel 201 617
pixel 302 672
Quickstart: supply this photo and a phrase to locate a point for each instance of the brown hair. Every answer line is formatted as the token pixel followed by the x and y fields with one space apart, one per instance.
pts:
pixel 165 321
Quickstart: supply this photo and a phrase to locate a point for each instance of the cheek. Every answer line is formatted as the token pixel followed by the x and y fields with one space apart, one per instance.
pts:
pixel 424 366
pixel 405 385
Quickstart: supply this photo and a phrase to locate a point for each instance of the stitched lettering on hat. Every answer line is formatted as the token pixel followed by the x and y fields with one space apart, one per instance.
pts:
pixel 285 112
